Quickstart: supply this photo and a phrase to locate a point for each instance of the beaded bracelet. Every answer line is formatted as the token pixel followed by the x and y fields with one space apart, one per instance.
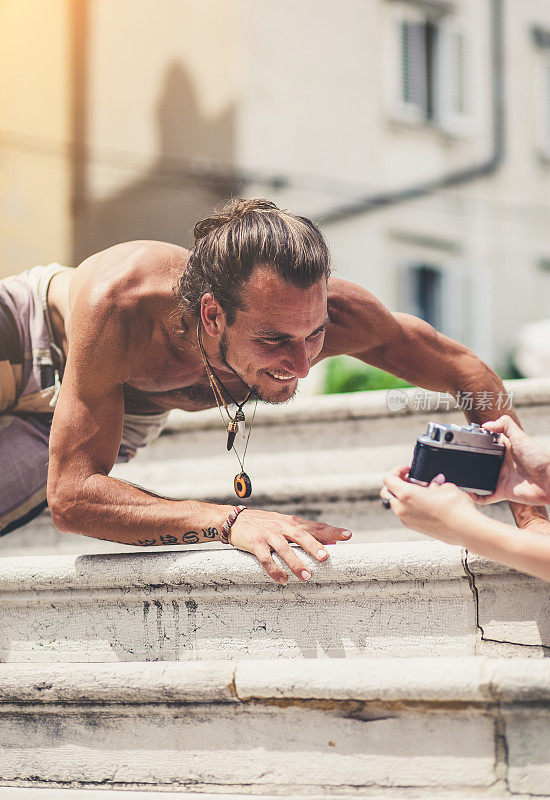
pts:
pixel 226 527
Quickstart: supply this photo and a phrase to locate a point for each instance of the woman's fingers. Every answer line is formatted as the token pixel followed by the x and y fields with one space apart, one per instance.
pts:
pixel 395 484
pixel 504 424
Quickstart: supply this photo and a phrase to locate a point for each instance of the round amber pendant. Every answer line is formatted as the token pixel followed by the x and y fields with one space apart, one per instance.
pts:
pixel 243 485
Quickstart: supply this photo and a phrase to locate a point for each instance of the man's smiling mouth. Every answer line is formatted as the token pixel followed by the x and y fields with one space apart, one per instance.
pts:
pixel 283 377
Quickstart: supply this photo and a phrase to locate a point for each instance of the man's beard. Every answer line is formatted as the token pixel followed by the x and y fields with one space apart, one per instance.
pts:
pixel 254 387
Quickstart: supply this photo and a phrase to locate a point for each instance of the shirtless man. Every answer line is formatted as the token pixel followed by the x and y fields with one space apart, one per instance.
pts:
pixel 123 330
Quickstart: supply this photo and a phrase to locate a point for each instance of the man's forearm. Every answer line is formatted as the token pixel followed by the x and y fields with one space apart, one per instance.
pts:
pixel 110 509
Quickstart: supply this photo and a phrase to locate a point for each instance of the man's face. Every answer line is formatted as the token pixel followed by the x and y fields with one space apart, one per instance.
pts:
pixel 277 334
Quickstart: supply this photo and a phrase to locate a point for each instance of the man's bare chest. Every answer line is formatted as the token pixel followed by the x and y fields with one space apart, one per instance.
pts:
pixel 169 383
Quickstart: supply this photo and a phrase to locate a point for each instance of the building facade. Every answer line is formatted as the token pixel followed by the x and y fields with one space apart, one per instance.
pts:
pixel 417 133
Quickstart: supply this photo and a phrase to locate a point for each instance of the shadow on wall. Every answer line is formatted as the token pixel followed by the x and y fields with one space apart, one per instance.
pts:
pixel 182 185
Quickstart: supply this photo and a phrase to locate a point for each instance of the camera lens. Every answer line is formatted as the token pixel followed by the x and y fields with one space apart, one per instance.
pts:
pixel 449 436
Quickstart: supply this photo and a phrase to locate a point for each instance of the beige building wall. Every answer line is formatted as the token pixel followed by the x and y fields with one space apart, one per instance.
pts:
pixel 35 161
pixel 161 91
pixel 318 108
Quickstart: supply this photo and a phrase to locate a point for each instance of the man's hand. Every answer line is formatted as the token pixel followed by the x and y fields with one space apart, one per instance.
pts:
pixel 440 509
pixel 264 532
pixel 525 473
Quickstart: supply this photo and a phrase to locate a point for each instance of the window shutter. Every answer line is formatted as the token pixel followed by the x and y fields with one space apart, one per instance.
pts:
pixel 452 78
pixel 414 93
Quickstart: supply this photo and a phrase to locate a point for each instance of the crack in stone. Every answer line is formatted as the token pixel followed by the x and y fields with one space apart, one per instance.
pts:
pixel 472 582
pixel 502 753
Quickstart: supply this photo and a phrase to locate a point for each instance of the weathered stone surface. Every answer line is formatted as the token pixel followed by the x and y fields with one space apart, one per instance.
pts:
pixel 427 679
pixel 408 598
pixel 125 683
pixel 11 793
pixel 511 606
pixel 528 738
pixel 411 598
pixel 402 723
pixel 250 744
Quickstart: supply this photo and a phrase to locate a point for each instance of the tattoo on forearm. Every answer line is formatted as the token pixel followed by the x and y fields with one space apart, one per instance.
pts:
pixel 169 539
pixel 191 537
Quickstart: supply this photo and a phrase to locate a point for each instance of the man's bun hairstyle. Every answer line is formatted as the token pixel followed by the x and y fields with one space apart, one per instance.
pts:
pixel 245 234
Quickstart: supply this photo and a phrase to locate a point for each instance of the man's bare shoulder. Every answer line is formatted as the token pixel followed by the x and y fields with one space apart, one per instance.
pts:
pixel 128 274
pixel 358 319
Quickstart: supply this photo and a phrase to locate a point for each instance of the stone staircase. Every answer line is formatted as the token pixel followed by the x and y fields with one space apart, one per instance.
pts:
pixel 404 668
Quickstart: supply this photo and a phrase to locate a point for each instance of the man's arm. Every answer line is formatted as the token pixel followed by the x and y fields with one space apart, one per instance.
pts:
pixel 412 349
pixel 85 437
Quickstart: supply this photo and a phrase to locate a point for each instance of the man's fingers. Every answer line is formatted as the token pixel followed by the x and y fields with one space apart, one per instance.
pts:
pixel 316 533
pixel 312 545
pixel 271 567
pixel 282 547
pixel 328 534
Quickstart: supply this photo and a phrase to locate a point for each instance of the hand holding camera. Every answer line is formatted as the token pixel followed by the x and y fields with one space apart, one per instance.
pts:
pixel 518 469
pixel 525 472
pixel 467 455
pixel 441 509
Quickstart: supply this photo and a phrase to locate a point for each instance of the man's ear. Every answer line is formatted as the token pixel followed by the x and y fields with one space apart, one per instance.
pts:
pixel 212 315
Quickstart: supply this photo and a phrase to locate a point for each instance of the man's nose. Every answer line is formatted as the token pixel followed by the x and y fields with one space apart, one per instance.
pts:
pixel 299 361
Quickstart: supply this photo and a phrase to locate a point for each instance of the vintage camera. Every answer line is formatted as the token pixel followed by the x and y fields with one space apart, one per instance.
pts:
pixel 467 455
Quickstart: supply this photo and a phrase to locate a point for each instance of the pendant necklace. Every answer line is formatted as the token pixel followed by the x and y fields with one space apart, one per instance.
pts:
pixel 242 483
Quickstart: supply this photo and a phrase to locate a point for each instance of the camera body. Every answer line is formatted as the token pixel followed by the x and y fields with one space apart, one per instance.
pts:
pixel 467 455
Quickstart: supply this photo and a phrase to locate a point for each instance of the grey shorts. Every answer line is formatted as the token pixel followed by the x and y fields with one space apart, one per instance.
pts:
pixel 31 372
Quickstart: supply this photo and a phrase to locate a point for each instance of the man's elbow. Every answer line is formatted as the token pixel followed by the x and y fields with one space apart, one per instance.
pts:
pixel 62 507
pixel 469 368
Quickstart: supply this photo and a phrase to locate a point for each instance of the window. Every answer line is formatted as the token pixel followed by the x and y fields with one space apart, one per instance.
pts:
pixel 430 65
pixel 425 293
pixel 438 294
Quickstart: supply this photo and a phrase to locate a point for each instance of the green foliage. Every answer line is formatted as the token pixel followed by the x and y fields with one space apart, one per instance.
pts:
pixel 345 374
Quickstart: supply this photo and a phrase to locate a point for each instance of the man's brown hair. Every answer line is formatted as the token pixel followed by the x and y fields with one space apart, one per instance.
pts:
pixel 245 234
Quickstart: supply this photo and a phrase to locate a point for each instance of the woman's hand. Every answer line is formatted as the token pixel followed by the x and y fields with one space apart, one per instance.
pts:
pixel 440 509
pixel 525 473
pixel 265 532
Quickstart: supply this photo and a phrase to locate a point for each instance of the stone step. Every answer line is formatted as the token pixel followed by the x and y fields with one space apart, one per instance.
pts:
pixel 33 793
pixel 389 424
pixel 322 458
pixel 341 438
pixel 397 793
pixel 358 509
pixel 475 726
pixel 398 599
